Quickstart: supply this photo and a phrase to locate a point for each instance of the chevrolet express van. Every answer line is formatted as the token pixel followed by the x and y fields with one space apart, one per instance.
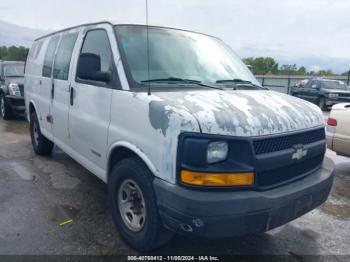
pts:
pixel 179 129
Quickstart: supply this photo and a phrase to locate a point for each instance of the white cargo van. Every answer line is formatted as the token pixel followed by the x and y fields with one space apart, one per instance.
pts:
pixel 179 128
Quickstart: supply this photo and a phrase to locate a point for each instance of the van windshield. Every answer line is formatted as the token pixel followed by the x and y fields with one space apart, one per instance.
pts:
pixel 176 54
pixel 14 70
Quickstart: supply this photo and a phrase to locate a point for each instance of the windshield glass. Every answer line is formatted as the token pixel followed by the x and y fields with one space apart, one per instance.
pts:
pixel 178 54
pixel 13 70
pixel 334 85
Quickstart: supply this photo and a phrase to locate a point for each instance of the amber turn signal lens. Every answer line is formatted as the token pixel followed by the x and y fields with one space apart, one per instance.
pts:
pixel 217 179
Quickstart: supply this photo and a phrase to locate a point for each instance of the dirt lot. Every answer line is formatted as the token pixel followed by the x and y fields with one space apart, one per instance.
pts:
pixel 38 193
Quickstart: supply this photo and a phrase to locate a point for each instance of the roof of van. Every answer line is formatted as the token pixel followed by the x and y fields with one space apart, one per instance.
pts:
pixel 113 23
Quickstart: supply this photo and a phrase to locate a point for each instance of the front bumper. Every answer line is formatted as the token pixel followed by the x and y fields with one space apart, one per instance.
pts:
pixel 16 103
pixel 230 213
pixel 330 130
pixel 333 101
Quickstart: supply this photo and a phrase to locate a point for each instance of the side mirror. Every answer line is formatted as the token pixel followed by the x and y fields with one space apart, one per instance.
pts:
pixel 100 76
pixel 89 68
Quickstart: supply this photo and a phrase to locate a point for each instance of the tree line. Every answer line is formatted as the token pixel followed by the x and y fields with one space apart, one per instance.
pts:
pixel 259 65
pixel 13 53
pixel 268 65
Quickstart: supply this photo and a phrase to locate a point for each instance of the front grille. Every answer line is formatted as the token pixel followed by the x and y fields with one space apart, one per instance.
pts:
pixel 344 94
pixel 289 172
pixel 17 102
pixel 274 144
pixel 21 89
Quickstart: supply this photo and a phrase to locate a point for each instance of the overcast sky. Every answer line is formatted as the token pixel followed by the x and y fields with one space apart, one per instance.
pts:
pixel 311 32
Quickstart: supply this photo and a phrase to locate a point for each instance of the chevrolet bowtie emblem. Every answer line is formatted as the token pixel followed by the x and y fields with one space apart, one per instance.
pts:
pixel 299 153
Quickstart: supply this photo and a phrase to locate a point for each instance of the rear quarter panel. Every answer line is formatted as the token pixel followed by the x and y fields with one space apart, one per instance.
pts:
pixel 36 91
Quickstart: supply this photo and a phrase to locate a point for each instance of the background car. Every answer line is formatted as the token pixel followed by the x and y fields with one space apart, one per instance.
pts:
pixel 11 88
pixel 323 92
pixel 338 129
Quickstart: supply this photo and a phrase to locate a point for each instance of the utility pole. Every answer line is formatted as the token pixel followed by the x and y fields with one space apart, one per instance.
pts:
pixel 288 87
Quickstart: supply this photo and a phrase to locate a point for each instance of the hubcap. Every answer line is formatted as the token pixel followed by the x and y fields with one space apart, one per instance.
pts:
pixel 2 106
pixel 131 205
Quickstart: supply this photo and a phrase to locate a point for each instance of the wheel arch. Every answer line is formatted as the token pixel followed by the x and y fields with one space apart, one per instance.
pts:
pixel 31 108
pixel 122 150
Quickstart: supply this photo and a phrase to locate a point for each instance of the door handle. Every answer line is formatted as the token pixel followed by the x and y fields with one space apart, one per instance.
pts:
pixel 71 96
pixel 53 91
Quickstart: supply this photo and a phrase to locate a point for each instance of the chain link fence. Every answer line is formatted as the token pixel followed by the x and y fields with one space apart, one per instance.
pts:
pixel 283 83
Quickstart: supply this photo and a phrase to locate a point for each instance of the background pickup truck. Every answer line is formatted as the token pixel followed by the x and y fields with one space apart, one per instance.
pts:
pixel 11 88
pixel 323 92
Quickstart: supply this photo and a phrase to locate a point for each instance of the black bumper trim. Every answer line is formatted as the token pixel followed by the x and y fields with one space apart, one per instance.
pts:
pixel 232 213
pixel 16 103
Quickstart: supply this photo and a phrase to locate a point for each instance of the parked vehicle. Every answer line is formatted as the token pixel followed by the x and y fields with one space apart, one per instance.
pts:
pixel 324 92
pixel 11 88
pixel 182 145
pixel 338 129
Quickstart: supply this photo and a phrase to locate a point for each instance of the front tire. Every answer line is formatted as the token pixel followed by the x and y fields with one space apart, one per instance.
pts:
pixel 5 110
pixel 41 145
pixel 134 206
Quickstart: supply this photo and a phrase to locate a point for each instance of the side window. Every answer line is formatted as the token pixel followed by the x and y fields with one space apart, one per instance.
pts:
pixel 38 49
pixel 97 43
pixel 63 56
pixel 32 50
pixel 311 84
pixel 315 84
pixel 49 56
pixel 95 59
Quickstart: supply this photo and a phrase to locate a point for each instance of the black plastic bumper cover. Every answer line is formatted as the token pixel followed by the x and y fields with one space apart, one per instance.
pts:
pixel 231 213
pixel 16 103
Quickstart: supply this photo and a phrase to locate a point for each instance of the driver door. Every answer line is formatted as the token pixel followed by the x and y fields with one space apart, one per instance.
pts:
pixel 90 102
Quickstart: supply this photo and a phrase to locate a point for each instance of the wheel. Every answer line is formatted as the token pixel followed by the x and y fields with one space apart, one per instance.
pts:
pixel 5 110
pixel 322 103
pixel 41 145
pixel 134 207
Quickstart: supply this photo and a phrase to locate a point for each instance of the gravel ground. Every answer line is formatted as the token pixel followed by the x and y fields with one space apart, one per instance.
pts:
pixel 38 193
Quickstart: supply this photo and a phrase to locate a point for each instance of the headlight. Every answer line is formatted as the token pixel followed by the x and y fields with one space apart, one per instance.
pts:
pixel 14 89
pixel 217 151
pixel 332 95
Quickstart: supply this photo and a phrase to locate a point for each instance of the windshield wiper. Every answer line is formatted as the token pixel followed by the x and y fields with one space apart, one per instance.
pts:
pixel 177 79
pixel 15 76
pixel 238 82
pixel 235 80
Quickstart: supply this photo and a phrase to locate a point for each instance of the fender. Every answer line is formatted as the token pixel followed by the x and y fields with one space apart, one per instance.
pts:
pixel 135 150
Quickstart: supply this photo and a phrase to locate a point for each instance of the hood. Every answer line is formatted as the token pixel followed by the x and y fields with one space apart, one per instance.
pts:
pixel 336 91
pixel 18 80
pixel 245 113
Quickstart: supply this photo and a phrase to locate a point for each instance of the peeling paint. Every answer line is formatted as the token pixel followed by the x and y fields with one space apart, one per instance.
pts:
pixel 233 113
pixel 246 113
pixel 158 116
